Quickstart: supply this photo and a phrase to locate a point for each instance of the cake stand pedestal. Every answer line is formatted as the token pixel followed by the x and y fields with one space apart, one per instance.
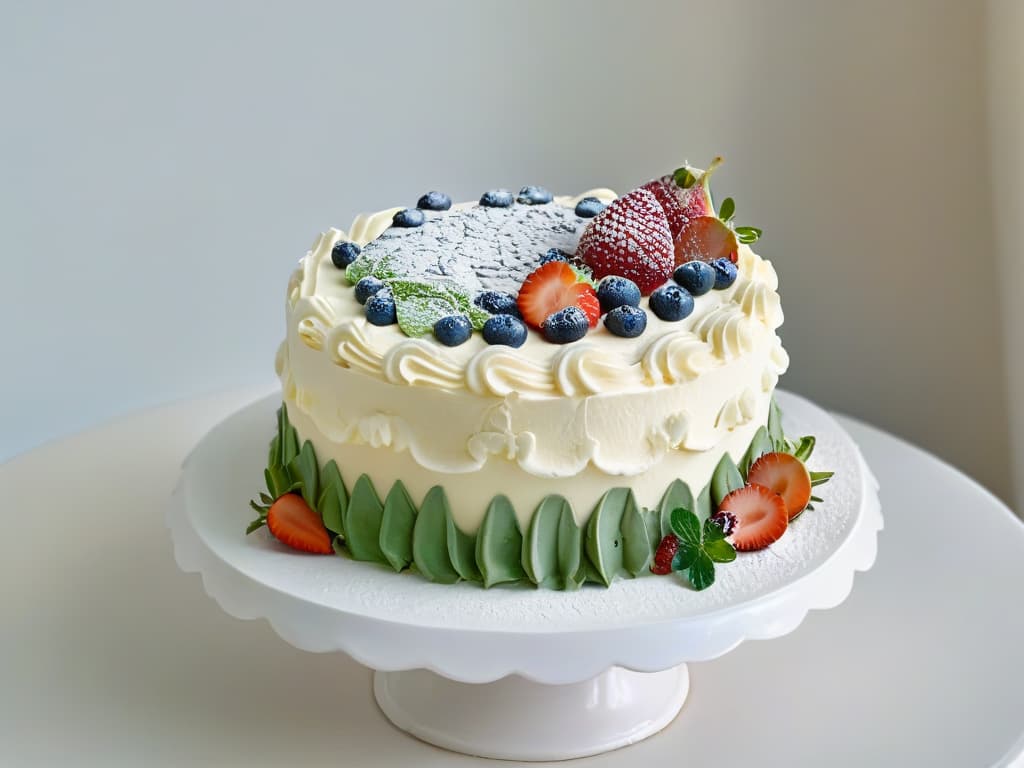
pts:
pixel 515 672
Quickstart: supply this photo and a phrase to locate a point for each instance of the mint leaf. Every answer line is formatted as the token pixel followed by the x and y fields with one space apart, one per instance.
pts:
pixel 712 531
pixel 702 572
pixel 820 478
pixel 720 550
pixel 686 526
pixel 420 305
pixel 748 234
pixel 728 208
pixel 684 557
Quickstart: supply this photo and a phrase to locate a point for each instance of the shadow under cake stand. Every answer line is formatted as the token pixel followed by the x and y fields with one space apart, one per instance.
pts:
pixel 515 672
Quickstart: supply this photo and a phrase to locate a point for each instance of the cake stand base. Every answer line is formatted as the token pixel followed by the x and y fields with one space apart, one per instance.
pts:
pixel 518 719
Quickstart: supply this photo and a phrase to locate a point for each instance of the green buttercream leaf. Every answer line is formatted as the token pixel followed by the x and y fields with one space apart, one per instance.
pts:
pixel 499 544
pixel 553 543
pixel 289 438
pixel 720 550
pixel 362 522
pixel 685 556
pixel 278 481
pixel 461 547
pixel 305 470
pixel 636 548
pixel 274 457
pixel 726 478
pixel 396 527
pixel 703 507
pixel 430 539
pixel 333 501
pixel 702 571
pixel 677 495
pixel 686 526
pixel 652 522
pixel 775 427
pixel 760 445
pixel 604 533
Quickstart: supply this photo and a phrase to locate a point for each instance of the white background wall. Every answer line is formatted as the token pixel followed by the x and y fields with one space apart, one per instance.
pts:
pixel 163 165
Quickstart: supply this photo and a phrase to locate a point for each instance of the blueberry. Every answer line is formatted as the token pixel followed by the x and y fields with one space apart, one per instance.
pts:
pixel 555 254
pixel 344 253
pixel 589 207
pixel 697 277
pixel 380 309
pixel 366 288
pixel 533 196
pixel 497 303
pixel 496 198
pixel 565 325
pixel 615 291
pixel 725 272
pixel 453 330
pixel 671 302
pixel 434 201
pixel 409 217
pixel 505 329
pixel 626 320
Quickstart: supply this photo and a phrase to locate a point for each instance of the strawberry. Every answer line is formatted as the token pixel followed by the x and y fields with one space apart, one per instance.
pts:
pixel 706 238
pixel 294 523
pixel 684 203
pixel 553 287
pixel 663 556
pixel 752 517
pixel 630 238
pixel 787 476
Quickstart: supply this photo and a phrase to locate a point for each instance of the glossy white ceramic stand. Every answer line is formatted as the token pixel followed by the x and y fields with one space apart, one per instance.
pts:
pixel 515 672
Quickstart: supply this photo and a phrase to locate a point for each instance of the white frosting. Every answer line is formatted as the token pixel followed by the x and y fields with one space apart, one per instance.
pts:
pixel 488 417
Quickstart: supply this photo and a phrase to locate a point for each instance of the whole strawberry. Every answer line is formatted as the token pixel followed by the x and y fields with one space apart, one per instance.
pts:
pixel 684 195
pixel 630 238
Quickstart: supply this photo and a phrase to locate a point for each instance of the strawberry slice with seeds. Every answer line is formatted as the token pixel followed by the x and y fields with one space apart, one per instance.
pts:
pixel 753 517
pixel 293 522
pixel 787 476
pixel 553 287
pixel 630 238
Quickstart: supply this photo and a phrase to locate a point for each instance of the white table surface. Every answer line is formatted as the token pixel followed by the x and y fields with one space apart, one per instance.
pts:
pixel 110 656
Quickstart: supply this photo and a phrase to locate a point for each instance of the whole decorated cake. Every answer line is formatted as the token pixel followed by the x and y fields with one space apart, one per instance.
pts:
pixel 536 389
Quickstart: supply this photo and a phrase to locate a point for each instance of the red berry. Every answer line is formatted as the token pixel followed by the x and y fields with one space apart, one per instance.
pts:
pixel 760 517
pixel 553 287
pixel 682 204
pixel 787 476
pixel 669 195
pixel 663 556
pixel 630 238
pixel 294 523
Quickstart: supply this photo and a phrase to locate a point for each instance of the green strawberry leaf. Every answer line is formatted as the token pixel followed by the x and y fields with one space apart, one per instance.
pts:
pixel 820 478
pixel 727 209
pixel 683 178
pixel 702 572
pixel 748 235
pixel 804 448
pixel 686 526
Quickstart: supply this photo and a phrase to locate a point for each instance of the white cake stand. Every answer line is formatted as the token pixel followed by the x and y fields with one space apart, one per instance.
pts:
pixel 516 672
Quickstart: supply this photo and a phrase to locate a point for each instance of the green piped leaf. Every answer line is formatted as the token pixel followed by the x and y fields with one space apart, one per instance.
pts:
pixel 396 527
pixel 430 539
pixel 499 544
pixel 775 427
pixel 305 470
pixel 289 438
pixel 760 445
pixel 461 549
pixel 652 522
pixel 604 533
pixel 703 507
pixel 552 550
pixel 726 478
pixel 333 501
pixel 362 522
pixel 636 548
pixel 677 495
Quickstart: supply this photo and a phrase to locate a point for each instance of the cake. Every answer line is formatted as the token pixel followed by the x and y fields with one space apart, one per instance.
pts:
pixel 535 389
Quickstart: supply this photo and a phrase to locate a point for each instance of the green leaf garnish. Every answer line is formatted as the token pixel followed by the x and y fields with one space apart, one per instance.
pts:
pixel 683 178
pixel 747 235
pixel 727 209
pixel 804 448
pixel 419 305
pixel 699 548
pixel 820 478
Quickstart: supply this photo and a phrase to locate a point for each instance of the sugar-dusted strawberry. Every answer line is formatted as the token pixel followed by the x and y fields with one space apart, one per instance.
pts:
pixel 552 287
pixel 752 517
pixel 630 238
pixel 294 523
pixel 787 476
pixel 667 549
pixel 706 238
pixel 684 195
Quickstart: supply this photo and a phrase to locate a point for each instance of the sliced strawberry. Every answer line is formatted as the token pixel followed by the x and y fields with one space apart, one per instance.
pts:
pixel 552 287
pixel 684 203
pixel 753 517
pixel 294 523
pixel 630 238
pixel 787 476
pixel 663 556
pixel 706 238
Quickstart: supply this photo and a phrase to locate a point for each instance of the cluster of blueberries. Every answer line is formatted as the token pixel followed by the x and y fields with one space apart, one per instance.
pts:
pixel 674 301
